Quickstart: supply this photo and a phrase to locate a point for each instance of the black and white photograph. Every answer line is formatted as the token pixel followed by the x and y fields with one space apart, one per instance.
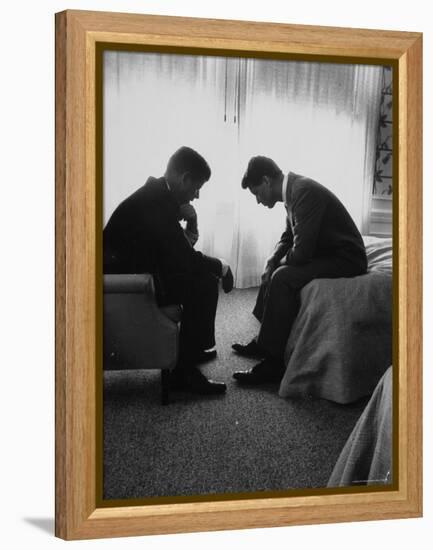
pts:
pixel 277 407
pixel 247 209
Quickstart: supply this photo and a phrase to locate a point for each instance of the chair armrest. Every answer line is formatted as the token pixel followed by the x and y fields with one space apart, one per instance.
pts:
pixel 129 283
pixel 137 333
pixel 141 283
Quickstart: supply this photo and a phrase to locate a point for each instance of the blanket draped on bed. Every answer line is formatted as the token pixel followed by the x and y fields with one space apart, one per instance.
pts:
pixel 341 342
pixel 366 458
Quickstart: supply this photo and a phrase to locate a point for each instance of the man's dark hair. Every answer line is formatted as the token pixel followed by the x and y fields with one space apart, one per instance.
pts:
pixel 257 168
pixel 186 159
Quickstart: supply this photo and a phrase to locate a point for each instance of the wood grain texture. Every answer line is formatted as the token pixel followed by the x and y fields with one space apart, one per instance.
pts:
pixel 60 239
pixel 75 407
pixel 413 290
pixel 77 33
pixel 247 35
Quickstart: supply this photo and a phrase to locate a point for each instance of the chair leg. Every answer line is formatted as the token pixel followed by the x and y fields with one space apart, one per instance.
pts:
pixel 165 374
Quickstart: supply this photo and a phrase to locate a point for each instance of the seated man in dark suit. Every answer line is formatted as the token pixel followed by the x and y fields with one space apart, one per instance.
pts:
pixel 320 241
pixel 144 235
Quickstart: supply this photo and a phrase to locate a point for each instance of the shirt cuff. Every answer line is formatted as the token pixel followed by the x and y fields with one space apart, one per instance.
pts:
pixel 225 267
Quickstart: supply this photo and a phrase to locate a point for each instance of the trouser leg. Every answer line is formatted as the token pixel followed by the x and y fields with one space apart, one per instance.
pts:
pixel 278 301
pixel 197 328
pixel 260 302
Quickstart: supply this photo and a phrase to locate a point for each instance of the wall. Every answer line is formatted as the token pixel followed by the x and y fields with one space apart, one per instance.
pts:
pixel 27 251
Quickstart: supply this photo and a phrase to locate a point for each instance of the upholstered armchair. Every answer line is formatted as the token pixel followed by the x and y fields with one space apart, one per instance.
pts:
pixel 137 334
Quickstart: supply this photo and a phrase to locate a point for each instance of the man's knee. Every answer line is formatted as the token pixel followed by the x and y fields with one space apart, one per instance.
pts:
pixel 285 276
pixel 184 289
pixel 295 277
pixel 207 284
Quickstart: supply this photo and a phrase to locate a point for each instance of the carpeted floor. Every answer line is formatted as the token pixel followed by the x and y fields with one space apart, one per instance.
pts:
pixel 249 440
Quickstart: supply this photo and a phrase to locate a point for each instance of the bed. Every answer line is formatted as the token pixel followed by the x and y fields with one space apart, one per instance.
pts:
pixel 341 342
pixel 366 458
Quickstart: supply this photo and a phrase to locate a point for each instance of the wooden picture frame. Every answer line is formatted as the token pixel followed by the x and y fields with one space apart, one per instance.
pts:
pixel 78 290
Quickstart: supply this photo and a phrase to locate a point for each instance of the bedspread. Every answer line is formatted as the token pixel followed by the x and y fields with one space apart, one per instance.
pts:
pixel 366 458
pixel 341 342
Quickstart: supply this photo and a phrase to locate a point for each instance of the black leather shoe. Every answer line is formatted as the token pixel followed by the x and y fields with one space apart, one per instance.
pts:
pixel 193 381
pixel 248 350
pixel 262 373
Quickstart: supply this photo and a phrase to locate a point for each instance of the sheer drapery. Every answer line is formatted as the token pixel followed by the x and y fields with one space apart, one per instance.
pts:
pixel 316 119
pixel 154 104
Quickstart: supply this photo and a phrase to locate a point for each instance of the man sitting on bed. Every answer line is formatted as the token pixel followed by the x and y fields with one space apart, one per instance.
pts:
pixel 320 241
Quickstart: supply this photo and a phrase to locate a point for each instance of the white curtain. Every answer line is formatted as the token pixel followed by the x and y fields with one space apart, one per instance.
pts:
pixel 316 119
pixel 154 104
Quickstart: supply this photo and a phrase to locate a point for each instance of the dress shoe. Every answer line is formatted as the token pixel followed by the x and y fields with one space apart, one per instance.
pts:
pixel 262 373
pixel 248 350
pixel 193 381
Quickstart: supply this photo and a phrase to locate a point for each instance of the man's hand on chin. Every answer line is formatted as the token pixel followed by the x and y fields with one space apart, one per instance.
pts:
pixel 187 212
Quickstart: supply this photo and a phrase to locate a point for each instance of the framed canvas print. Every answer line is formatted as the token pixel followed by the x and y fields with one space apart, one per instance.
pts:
pixel 238 274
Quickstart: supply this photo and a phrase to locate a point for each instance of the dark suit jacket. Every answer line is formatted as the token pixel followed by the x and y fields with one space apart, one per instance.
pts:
pixel 144 235
pixel 318 226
